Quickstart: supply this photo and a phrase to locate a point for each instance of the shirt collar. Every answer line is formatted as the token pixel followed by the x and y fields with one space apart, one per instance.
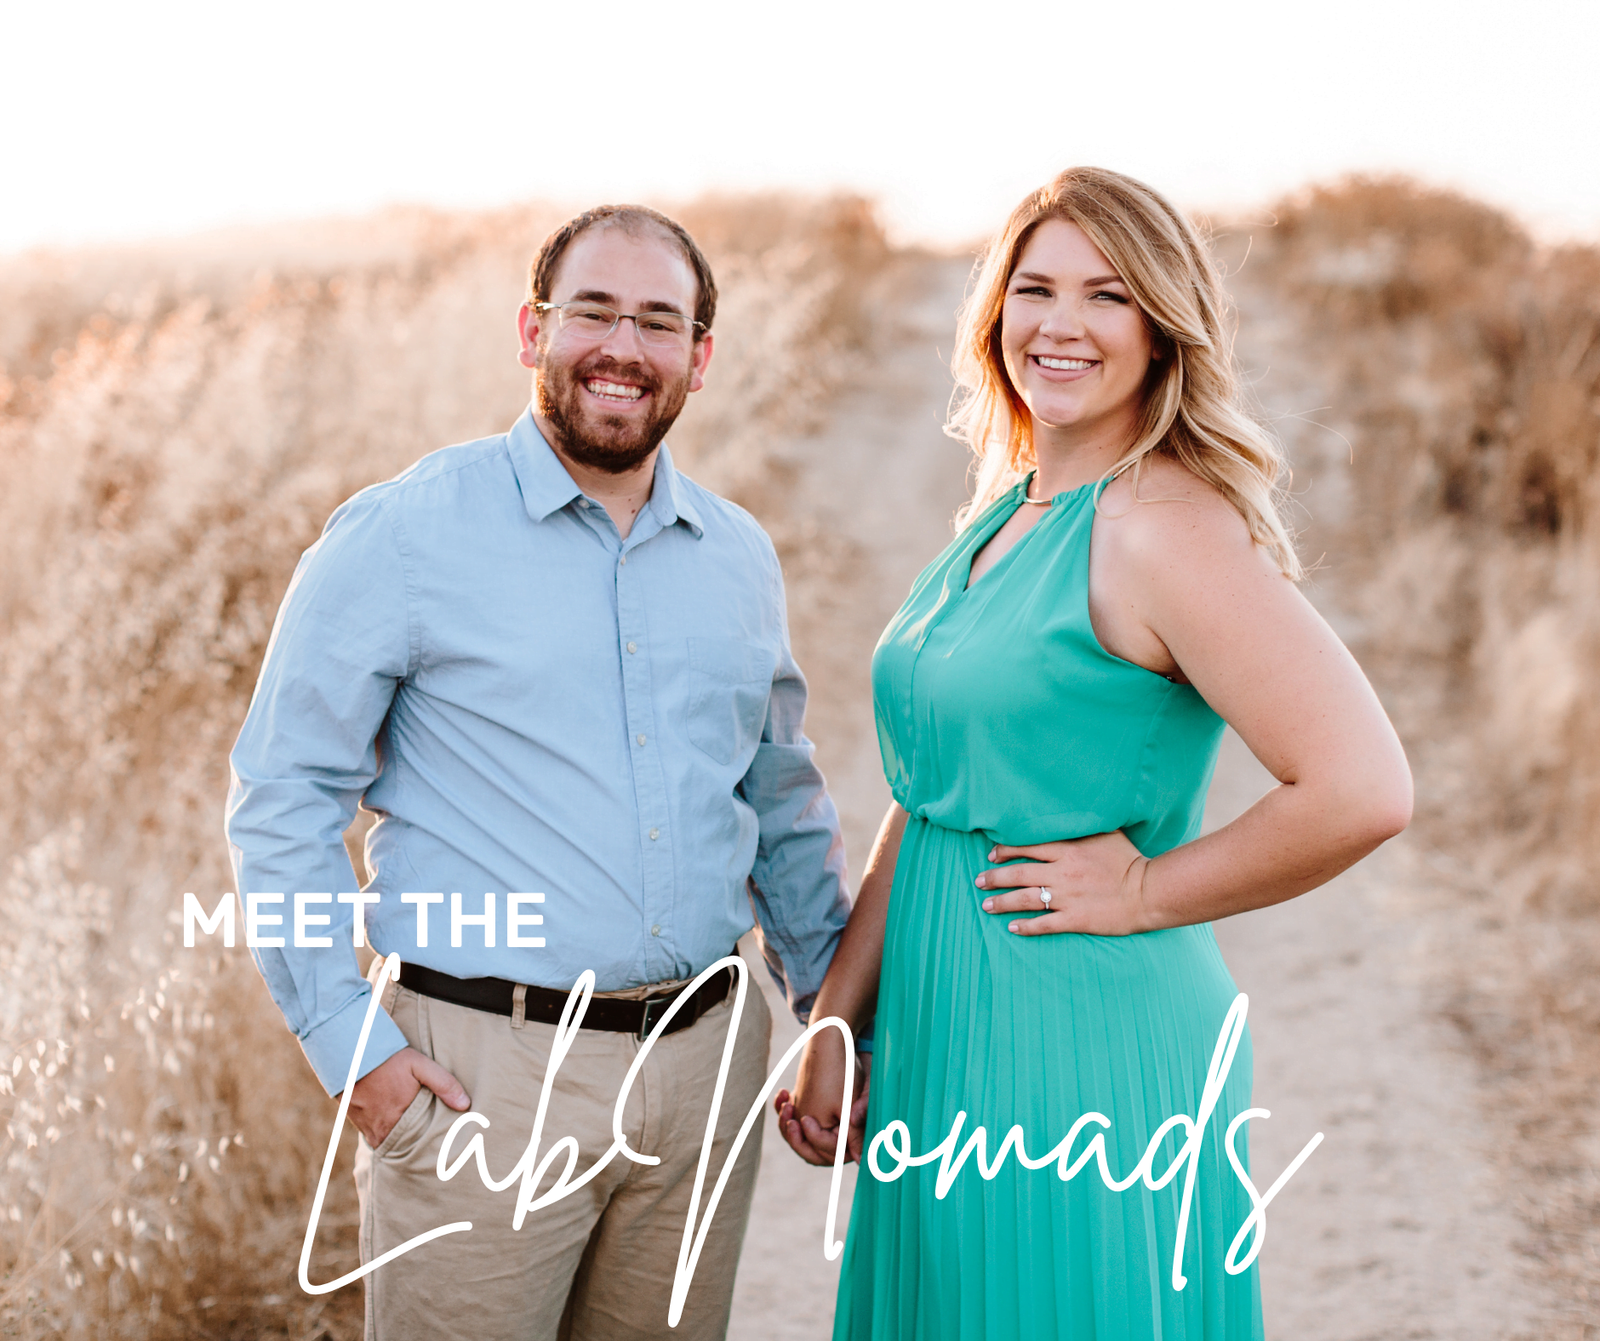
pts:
pixel 669 497
pixel 546 486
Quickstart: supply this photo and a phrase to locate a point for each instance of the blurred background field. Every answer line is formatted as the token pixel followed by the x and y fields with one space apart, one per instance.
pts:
pixel 177 421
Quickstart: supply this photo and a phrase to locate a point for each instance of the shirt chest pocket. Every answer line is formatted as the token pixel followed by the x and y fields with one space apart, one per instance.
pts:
pixel 729 683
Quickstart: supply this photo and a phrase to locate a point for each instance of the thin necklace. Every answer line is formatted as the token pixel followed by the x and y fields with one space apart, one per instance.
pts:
pixel 1037 502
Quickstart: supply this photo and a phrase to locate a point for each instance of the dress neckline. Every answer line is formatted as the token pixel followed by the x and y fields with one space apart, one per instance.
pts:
pixel 1025 484
pixel 1010 501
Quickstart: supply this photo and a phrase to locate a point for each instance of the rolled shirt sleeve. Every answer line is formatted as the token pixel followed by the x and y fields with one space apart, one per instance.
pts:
pixel 308 751
pixel 799 889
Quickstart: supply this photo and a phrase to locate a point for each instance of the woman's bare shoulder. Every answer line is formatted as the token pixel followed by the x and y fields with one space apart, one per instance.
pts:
pixel 1170 518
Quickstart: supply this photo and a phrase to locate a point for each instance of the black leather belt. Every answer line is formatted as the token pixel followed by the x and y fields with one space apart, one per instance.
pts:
pixel 499 997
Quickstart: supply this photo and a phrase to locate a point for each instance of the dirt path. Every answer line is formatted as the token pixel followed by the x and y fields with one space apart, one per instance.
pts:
pixel 1396 1227
pixel 880 483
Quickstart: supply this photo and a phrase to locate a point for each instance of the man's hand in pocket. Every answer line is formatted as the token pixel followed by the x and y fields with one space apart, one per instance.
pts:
pixel 385 1092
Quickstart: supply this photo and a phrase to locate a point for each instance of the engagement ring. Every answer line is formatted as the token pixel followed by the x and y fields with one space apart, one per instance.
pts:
pixel 1044 896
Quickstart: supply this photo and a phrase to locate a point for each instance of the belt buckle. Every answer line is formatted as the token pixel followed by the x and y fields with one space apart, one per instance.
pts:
pixel 654 1009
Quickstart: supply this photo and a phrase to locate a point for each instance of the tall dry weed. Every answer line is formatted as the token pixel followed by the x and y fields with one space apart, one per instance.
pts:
pixel 1461 363
pixel 1464 364
pixel 175 426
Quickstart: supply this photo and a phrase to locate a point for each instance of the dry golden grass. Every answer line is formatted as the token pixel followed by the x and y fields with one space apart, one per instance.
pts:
pixel 1462 363
pixel 1465 364
pixel 175 426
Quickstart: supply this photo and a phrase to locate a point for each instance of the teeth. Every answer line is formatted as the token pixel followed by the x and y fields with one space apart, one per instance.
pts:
pixel 614 390
pixel 1066 365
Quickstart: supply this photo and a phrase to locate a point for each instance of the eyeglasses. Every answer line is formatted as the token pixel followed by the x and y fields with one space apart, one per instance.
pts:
pixel 594 321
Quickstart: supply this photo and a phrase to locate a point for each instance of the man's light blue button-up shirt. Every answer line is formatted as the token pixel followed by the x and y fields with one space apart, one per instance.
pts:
pixel 532 705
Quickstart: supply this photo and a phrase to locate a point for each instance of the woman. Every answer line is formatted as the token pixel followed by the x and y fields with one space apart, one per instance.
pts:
pixel 1050 699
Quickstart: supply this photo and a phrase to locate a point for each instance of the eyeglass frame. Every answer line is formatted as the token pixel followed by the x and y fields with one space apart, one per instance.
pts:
pixel 621 317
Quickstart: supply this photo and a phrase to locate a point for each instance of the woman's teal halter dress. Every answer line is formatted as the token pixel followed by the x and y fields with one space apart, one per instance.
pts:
pixel 1002 719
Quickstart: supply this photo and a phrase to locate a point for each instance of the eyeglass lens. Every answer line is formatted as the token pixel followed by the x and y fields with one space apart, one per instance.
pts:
pixel 592 321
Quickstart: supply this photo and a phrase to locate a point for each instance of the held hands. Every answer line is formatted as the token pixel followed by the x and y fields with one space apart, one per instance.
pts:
pixel 385 1092
pixel 810 1117
pixel 1096 887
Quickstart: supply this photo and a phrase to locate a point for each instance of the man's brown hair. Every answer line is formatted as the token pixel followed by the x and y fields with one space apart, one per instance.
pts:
pixel 633 219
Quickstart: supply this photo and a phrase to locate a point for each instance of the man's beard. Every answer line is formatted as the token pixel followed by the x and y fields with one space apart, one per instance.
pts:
pixel 612 443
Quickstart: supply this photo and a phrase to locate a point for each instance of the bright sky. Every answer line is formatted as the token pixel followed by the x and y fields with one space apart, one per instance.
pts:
pixel 132 120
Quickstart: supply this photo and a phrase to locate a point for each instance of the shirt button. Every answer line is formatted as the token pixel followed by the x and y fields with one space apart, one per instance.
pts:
pixel 655 930
pixel 623 560
pixel 583 502
pixel 655 834
pixel 633 647
pixel 640 738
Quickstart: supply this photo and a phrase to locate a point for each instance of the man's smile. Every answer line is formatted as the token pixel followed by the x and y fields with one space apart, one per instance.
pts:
pixel 603 389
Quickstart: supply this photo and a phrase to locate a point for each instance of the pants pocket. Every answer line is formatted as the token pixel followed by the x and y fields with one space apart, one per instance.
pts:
pixel 404 1136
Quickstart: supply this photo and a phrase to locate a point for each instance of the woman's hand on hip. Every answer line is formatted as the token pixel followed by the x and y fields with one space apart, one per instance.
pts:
pixel 1092 886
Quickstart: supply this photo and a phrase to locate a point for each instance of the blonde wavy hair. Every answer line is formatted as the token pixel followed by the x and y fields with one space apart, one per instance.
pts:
pixel 1192 409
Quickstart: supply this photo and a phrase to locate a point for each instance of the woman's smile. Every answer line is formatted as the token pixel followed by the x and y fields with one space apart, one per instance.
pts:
pixel 1064 370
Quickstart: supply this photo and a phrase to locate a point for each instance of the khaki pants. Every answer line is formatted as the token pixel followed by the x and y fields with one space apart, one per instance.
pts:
pixel 597 1265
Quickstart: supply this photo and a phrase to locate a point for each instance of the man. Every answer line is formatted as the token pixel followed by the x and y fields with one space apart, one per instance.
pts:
pixel 552 666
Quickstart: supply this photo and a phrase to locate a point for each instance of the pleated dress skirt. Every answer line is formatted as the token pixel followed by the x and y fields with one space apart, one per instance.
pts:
pixel 1036 1032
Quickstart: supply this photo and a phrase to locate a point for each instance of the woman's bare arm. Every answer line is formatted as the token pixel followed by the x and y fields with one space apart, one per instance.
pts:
pixel 810 1118
pixel 1182 590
